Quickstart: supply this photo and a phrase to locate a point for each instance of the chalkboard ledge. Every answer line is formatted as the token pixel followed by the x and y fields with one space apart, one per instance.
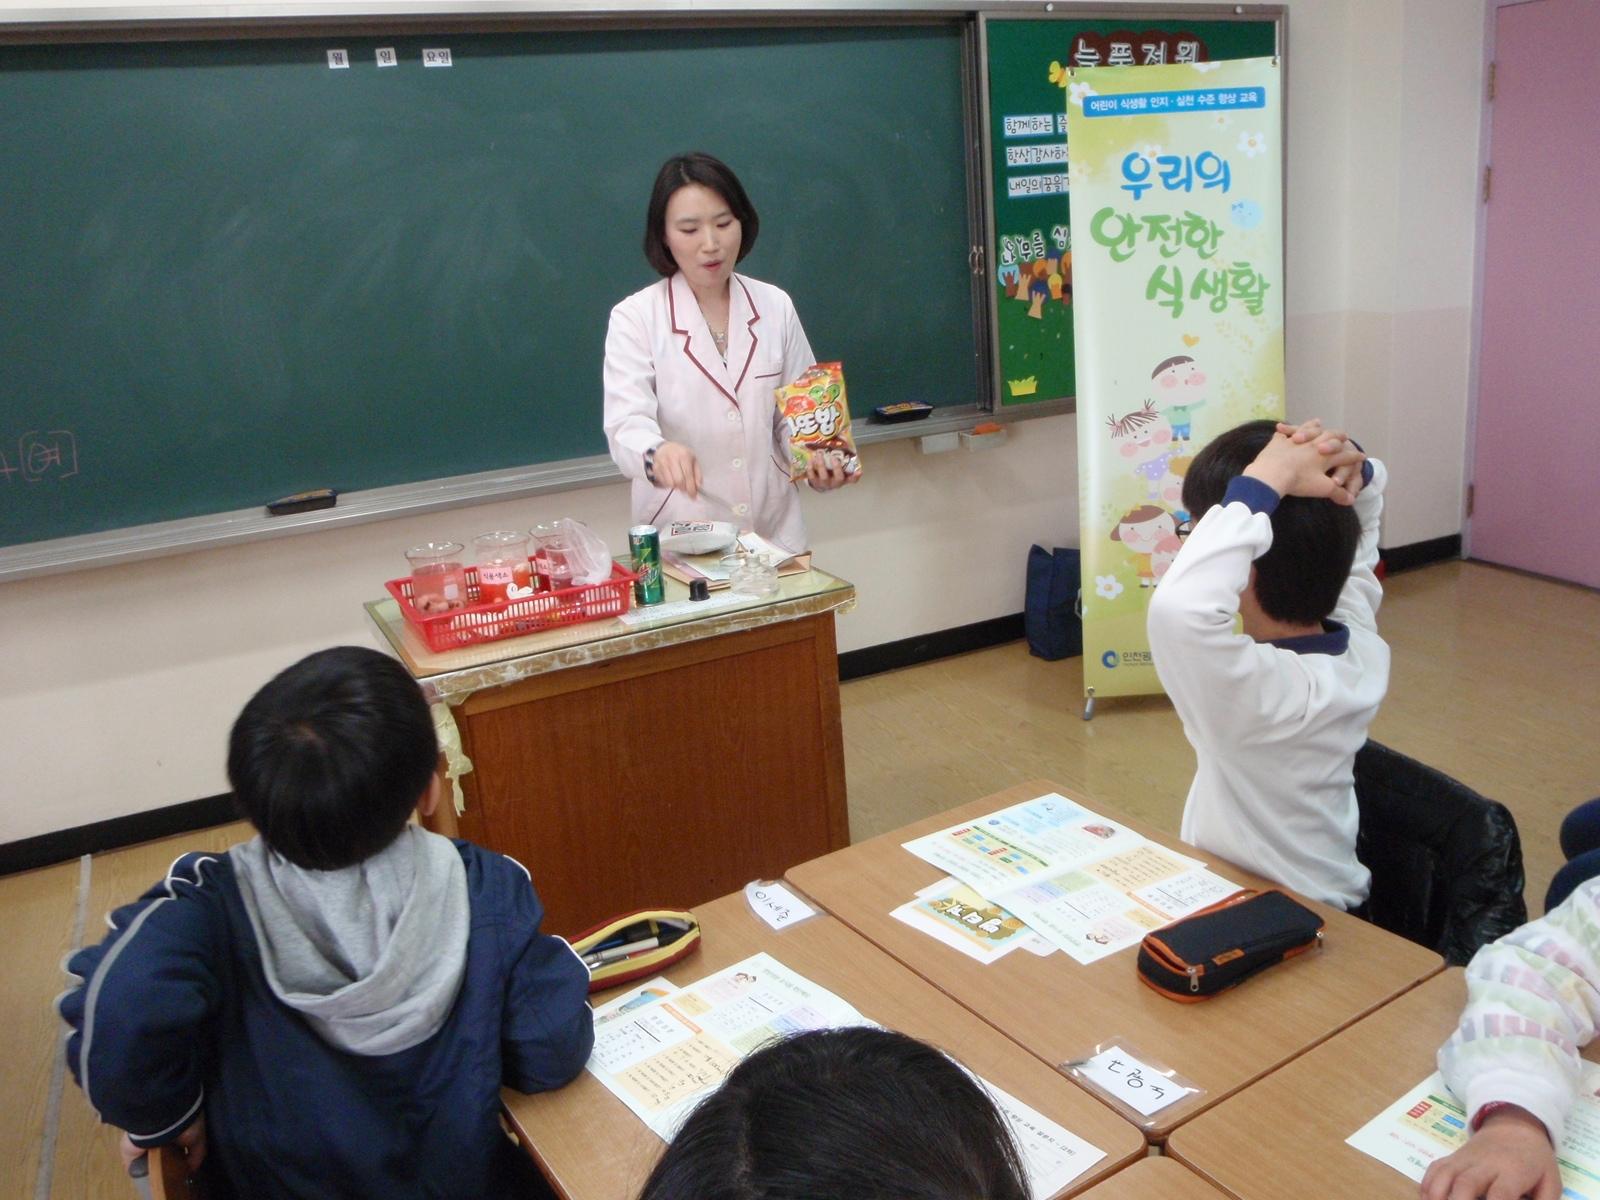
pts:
pixel 252 524
pixel 403 500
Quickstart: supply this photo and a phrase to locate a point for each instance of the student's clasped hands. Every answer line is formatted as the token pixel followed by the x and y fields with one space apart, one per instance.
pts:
pixel 1509 1157
pixel 192 1141
pixel 1308 460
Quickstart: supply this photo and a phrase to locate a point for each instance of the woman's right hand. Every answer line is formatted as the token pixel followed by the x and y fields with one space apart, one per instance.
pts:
pixel 675 466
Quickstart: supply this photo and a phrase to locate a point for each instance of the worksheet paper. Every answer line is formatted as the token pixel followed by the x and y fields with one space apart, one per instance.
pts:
pixel 951 912
pixel 1086 883
pixel 1428 1122
pixel 661 1049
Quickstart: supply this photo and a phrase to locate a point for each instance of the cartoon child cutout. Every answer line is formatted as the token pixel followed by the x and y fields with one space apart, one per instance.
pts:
pixel 1145 440
pixel 1142 530
pixel 1180 388
pixel 1038 291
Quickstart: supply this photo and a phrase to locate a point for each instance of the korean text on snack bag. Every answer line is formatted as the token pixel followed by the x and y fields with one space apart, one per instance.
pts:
pixel 816 417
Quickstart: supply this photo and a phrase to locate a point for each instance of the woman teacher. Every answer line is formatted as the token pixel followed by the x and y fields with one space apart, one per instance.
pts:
pixel 692 362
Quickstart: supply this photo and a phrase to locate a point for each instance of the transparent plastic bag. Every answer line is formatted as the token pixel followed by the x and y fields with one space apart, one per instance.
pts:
pixel 589 557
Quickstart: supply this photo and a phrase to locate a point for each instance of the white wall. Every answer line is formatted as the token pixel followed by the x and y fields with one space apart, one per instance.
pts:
pixel 117 685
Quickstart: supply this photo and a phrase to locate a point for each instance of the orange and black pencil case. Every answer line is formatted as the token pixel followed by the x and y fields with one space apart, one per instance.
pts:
pixel 1223 945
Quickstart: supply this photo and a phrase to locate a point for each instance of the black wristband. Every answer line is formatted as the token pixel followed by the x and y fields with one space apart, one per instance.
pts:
pixel 650 465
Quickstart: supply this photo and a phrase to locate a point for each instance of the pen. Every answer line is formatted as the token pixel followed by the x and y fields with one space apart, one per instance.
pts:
pixel 598 957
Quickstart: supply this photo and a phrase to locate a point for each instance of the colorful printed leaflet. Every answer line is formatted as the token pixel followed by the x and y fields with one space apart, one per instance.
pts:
pixel 1084 882
pixel 950 912
pixel 661 1049
pixel 1428 1122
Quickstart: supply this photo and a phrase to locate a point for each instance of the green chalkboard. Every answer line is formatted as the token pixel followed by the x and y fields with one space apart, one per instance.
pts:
pixel 1026 138
pixel 231 272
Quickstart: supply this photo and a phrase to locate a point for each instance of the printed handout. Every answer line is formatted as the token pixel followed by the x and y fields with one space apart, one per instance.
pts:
pixel 660 1049
pixel 1428 1122
pixel 1081 880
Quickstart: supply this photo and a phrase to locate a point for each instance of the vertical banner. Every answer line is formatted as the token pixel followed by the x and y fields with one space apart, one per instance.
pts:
pixel 1026 62
pixel 1177 188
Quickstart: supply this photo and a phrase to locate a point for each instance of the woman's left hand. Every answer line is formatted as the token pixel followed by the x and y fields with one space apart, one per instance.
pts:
pixel 824 475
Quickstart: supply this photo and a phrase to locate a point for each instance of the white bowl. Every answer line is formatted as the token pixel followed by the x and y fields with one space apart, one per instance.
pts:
pixel 699 537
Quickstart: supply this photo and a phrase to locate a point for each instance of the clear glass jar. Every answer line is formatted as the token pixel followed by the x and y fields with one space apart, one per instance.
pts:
pixel 504 572
pixel 438 580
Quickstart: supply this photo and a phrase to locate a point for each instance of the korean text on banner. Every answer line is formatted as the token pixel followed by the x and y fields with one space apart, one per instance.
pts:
pixel 1176 194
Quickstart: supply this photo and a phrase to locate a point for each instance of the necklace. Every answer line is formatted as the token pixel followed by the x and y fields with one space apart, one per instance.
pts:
pixel 720 338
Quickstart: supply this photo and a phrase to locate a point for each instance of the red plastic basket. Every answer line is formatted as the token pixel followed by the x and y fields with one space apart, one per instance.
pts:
pixel 489 622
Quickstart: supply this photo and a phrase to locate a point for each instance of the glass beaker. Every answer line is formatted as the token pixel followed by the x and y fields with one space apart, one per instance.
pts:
pixel 438 581
pixel 552 559
pixel 504 572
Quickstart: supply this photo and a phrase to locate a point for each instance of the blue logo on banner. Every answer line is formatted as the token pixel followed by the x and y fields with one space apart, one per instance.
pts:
pixel 1109 658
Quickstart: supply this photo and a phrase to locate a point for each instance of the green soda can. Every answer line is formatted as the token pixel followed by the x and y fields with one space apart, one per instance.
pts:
pixel 644 543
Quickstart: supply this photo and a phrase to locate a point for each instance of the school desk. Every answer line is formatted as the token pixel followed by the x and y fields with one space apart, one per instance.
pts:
pixel 663 763
pixel 591 1147
pixel 1061 1009
pixel 1154 1178
pixel 1285 1135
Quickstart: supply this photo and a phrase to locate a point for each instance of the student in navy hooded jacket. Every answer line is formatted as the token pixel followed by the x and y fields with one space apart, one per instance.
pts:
pixel 331 1008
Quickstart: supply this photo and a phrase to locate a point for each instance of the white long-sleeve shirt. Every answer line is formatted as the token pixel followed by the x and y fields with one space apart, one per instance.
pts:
pixel 665 381
pixel 1533 998
pixel 1275 726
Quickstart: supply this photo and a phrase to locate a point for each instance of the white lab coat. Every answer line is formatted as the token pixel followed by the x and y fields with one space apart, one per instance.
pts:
pixel 665 381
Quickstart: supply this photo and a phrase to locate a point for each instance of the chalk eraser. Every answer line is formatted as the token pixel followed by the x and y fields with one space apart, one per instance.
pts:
pixel 906 410
pixel 303 502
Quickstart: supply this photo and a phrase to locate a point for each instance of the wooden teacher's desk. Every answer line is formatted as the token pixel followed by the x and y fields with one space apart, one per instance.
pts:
pixel 658 763
pixel 1061 1009
pixel 1285 1136
pixel 591 1147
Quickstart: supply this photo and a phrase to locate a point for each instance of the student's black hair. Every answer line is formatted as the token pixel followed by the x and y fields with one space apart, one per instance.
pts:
pixel 680 171
pixel 328 759
pixel 1313 541
pixel 843 1114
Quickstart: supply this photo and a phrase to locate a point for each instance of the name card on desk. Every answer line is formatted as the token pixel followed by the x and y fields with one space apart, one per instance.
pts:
pixel 1138 1085
pixel 776 904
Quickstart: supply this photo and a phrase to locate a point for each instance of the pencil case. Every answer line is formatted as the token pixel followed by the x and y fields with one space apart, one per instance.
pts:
pixel 1225 944
pixel 636 944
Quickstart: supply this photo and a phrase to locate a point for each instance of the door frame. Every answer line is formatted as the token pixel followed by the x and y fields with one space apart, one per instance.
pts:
pixel 1479 255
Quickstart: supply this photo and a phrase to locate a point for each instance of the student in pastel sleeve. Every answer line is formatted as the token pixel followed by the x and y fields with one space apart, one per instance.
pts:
pixel 1285 543
pixel 692 362
pixel 843 1114
pixel 1533 998
pixel 331 1008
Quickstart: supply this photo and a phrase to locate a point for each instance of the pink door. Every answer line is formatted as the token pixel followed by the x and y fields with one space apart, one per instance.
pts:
pixel 1536 458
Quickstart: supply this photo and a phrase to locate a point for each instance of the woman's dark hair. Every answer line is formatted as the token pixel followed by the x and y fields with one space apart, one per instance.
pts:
pixel 679 171
pixel 330 757
pixel 843 1114
pixel 1313 541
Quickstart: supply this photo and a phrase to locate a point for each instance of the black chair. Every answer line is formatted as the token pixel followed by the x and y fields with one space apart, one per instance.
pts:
pixel 1446 862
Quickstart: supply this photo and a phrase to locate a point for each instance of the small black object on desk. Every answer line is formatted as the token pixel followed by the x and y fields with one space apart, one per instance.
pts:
pixel 698 590
pixel 906 410
pixel 303 502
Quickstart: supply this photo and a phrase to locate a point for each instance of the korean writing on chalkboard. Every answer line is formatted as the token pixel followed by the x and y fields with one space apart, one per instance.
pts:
pixel 1053 184
pixel 1126 49
pixel 1036 154
pixel 41 455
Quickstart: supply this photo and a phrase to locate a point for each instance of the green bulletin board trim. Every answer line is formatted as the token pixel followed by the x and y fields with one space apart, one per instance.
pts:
pixel 1023 86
